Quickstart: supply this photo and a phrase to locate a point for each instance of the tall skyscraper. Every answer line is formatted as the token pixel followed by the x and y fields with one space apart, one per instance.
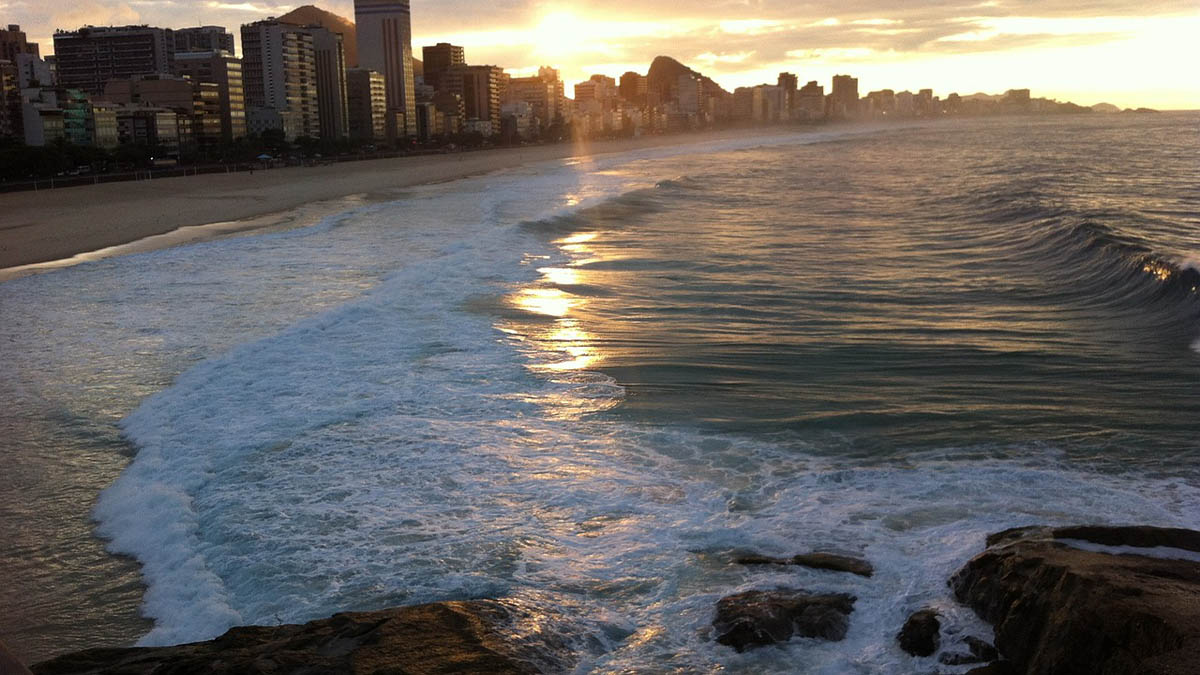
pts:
pixel 203 39
pixel 438 59
pixel 91 56
pixel 385 45
pixel 330 56
pixel 280 74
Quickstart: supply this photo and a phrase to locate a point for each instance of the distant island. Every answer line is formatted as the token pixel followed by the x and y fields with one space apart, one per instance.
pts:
pixel 1110 108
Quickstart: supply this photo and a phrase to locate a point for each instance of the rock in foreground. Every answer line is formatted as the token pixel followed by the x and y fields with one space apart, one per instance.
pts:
pixel 446 637
pixel 1060 609
pixel 920 636
pixel 757 618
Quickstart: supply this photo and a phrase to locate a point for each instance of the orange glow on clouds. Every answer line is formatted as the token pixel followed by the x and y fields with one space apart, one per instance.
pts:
pixel 1128 61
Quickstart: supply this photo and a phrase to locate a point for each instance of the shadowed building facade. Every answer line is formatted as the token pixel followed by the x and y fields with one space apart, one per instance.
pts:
pixel 366 98
pixel 280 75
pixel 91 56
pixel 438 59
pixel 385 45
pixel 225 71
pixel 203 39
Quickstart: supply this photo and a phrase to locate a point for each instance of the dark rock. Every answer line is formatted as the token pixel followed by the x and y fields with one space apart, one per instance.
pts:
pixel 755 559
pixel 1058 609
pixel 919 635
pixel 445 637
pixel 1139 536
pixel 837 563
pixel 816 560
pixel 980 649
pixel 755 618
pixel 997 668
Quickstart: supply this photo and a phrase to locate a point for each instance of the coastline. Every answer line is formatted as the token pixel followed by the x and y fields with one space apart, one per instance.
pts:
pixel 67 226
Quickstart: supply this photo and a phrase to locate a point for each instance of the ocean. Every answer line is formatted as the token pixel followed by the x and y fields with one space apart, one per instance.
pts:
pixel 587 385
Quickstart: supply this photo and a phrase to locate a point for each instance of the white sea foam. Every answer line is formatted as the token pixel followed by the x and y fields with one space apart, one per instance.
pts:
pixel 1162 552
pixel 397 447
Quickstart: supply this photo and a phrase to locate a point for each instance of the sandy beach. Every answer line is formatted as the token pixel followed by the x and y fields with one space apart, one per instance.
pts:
pixel 56 225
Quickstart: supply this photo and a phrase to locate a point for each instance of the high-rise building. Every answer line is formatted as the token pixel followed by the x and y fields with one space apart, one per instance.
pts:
pixel 882 103
pixel 750 104
pixel 10 101
pixel 438 59
pixel 810 102
pixel 203 39
pixel 549 74
pixel 12 43
pixel 366 103
pixel 690 93
pixel 923 103
pixel 541 95
pixel 384 30
pixel 279 72
pixel 225 71
pixel 330 56
pixel 597 88
pixel 91 56
pixel 633 88
pixel 788 83
pixel 479 87
pixel 843 99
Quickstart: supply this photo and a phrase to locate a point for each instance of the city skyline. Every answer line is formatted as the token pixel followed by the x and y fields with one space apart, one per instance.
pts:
pixel 1116 52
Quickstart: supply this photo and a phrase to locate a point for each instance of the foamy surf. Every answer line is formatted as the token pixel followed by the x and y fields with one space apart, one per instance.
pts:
pixel 442 435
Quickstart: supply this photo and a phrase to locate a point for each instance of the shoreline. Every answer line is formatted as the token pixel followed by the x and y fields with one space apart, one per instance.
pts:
pixel 64 227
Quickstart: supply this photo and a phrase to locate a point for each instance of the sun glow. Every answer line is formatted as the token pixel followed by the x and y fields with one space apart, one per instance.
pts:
pixel 557 35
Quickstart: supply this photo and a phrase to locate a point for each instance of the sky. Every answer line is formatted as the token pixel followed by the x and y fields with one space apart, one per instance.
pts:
pixel 1143 53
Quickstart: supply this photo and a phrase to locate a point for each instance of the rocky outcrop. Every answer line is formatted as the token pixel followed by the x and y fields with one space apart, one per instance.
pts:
pixel 920 634
pixel 756 618
pixel 977 651
pixel 816 560
pixel 445 637
pixel 1058 608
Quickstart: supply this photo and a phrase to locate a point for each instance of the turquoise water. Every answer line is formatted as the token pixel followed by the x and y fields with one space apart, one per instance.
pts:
pixel 585 385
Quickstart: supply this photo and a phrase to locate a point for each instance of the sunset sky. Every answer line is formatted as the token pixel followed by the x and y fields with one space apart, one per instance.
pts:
pixel 1087 51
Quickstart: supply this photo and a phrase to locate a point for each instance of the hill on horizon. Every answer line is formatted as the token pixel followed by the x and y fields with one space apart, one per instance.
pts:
pixel 665 71
pixel 311 15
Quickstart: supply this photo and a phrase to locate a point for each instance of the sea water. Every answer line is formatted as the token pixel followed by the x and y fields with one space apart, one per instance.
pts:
pixel 585 386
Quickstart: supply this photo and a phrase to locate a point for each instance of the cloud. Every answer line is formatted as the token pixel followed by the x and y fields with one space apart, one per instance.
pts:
pixel 93 13
pixel 734 39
